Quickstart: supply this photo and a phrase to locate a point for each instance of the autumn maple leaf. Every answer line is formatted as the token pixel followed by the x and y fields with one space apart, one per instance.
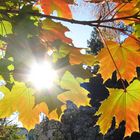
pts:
pixel 75 55
pixel 51 31
pixel 75 92
pixel 20 99
pixel 129 8
pixel 61 6
pixel 124 105
pixel 126 57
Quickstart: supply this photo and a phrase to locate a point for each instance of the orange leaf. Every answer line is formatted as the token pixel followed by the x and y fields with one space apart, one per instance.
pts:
pixel 61 6
pixel 52 31
pixel 129 9
pixel 126 57
pixel 75 55
pixel 124 106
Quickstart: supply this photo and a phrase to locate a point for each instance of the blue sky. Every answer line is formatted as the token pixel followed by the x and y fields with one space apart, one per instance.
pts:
pixel 80 33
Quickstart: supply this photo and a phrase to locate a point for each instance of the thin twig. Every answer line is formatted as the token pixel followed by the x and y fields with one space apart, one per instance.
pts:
pixel 111 11
pixel 94 23
pixel 121 30
pixel 72 20
pixel 118 10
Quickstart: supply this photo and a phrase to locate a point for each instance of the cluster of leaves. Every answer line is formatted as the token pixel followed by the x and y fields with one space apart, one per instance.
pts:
pixel 28 33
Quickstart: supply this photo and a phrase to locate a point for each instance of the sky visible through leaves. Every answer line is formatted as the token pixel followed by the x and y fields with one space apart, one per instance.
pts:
pixel 38 37
pixel 82 11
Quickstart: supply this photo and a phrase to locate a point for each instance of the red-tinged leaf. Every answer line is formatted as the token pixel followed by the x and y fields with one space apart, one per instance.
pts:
pixel 61 6
pixel 52 31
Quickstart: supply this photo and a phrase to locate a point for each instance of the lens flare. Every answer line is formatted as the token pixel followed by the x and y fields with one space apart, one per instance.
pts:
pixel 42 75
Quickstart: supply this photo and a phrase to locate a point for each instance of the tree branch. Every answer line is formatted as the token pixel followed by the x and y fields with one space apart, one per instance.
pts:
pixel 89 23
pixel 94 23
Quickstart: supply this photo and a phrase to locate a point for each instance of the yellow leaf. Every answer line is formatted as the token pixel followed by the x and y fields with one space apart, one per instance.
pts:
pixel 20 99
pixel 75 92
pixel 124 106
pixel 30 116
pixel 54 115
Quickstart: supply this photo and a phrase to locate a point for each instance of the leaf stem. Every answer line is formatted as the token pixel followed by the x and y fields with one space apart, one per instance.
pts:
pixel 112 59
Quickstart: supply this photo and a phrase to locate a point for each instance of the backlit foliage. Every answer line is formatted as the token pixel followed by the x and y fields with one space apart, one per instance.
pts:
pixel 29 32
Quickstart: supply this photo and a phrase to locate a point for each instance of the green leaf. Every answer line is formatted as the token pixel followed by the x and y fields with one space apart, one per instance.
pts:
pixel 49 96
pixel 4 71
pixel 10 67
pixel 77 70
pixel 61 52
pixel 137 30
pixel 5 28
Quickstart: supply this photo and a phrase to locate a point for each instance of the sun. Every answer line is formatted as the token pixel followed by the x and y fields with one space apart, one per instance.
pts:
pixel 42 75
